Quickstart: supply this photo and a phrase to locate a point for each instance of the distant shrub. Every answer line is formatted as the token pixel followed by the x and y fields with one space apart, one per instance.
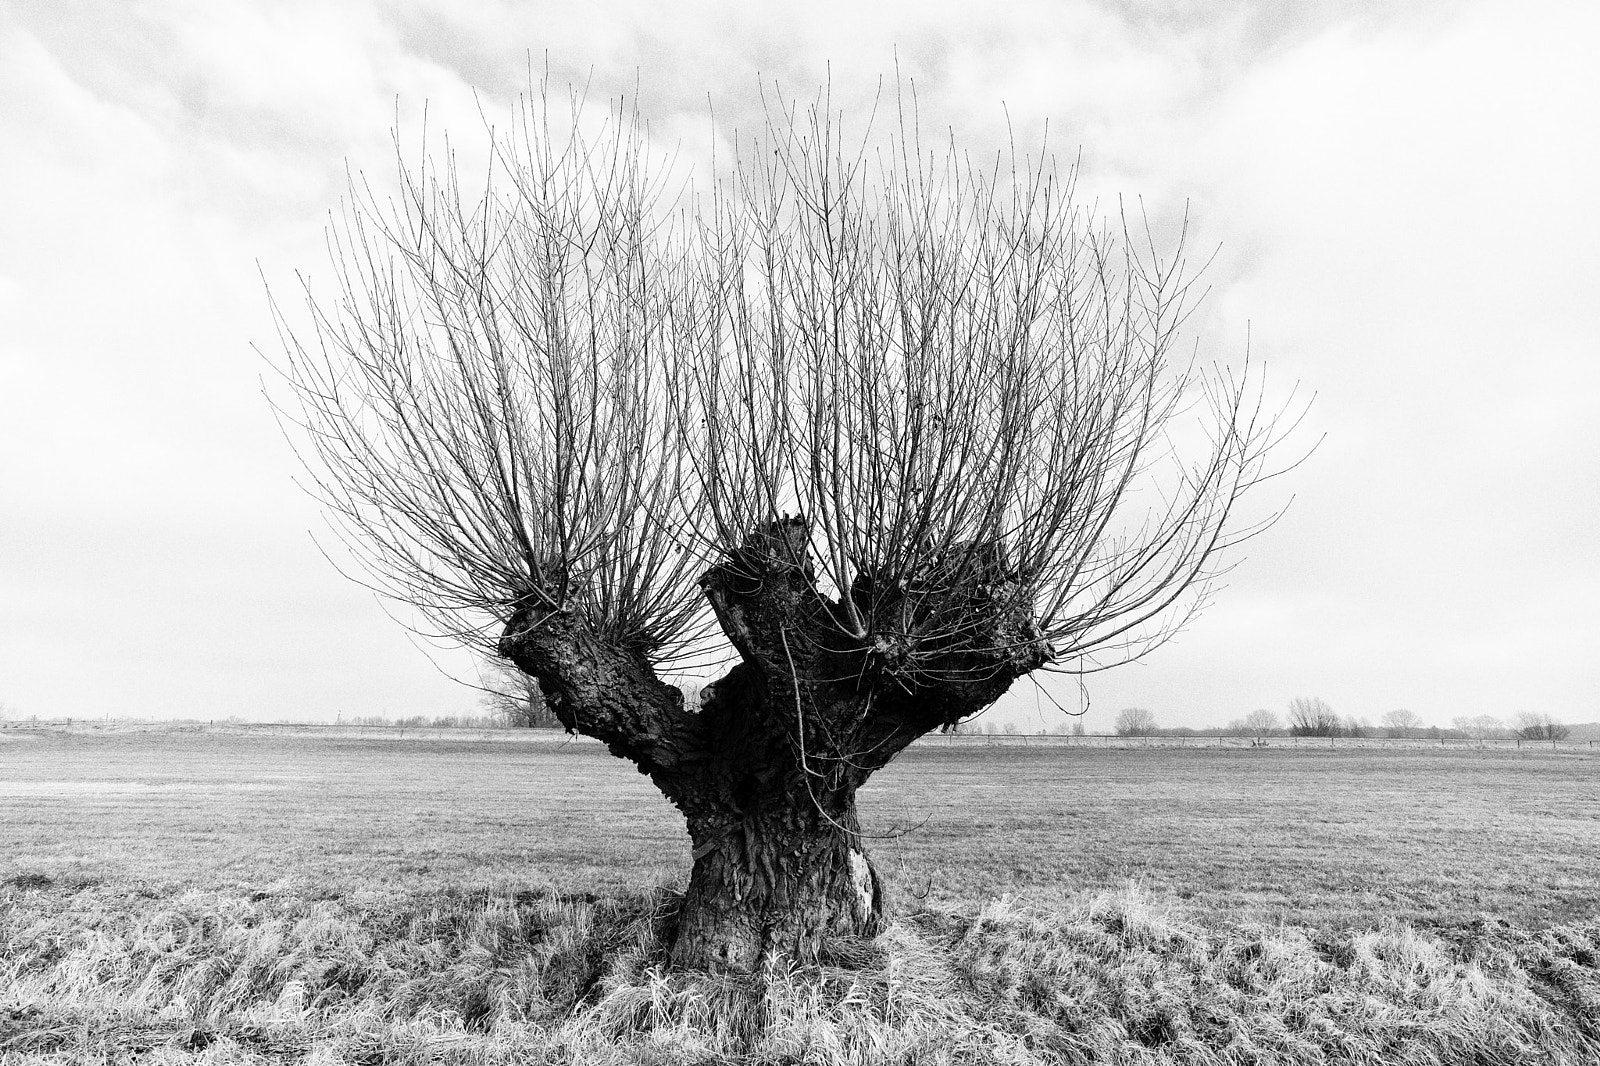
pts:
pixel 1135 722
pixel 1540 727
pixel 1481 727
pixel 1403 723
pixel 515 699
pixel 1310 716
pixel 1258 725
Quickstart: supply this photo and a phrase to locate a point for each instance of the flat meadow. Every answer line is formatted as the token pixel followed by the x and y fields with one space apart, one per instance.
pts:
pixel 238 894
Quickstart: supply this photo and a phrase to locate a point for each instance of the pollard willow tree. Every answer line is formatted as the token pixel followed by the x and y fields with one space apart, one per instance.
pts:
pixel 888 426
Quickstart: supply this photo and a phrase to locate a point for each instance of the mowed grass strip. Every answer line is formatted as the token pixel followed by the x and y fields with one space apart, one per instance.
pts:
pixel 1313 838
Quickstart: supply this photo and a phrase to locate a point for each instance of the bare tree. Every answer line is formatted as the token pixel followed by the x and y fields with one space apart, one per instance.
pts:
pixel 1532 726
pixel 514 698
pixel 889 425
pixel 1310 716
pixel 1402 723
pixel 1351 726
pixel 1478 727
pixel 1258 725
pixel 1135 722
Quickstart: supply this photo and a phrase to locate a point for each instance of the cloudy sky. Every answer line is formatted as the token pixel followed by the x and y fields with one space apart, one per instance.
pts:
pixel 1404 195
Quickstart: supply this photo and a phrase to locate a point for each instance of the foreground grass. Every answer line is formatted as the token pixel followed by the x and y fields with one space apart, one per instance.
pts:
pixel 100 974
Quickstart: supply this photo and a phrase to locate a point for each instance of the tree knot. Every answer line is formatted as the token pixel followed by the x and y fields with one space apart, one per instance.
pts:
pixel 776 547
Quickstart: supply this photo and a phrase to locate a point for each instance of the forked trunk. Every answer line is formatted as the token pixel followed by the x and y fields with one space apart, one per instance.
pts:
pixel 783 880
pixel 766 769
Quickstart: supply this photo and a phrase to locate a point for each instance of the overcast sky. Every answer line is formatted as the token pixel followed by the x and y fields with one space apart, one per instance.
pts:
pixel 1404 195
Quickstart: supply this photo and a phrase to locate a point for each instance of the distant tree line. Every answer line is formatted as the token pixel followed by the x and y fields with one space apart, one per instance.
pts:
pixel 991 728
pixel 425 721
pixel 1311 716
pixel 512 700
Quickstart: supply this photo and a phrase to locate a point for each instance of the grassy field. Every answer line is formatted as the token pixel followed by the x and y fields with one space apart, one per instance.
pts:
pixel 228 896
pixel 1307 837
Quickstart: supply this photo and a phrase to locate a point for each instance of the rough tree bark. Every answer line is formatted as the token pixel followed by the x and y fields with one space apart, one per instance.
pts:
pixel 766 772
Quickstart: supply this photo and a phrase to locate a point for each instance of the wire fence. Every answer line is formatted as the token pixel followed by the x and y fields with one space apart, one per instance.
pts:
pixel 397 731
pixel 1113 740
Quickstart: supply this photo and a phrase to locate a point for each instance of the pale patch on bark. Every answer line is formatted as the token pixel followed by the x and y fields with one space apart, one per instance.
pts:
pixel 861 880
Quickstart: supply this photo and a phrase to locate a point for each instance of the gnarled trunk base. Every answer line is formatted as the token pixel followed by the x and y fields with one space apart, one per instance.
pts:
pixel 782 885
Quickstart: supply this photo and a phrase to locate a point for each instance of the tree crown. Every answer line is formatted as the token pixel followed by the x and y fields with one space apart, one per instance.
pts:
pixel 938 386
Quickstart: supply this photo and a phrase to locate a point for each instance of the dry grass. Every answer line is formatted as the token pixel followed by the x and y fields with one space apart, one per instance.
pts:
pixel 223 898
pixel 91 975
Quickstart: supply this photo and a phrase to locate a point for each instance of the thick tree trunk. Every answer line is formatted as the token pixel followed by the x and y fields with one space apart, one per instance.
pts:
pixel 783 881
pixel 766 770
